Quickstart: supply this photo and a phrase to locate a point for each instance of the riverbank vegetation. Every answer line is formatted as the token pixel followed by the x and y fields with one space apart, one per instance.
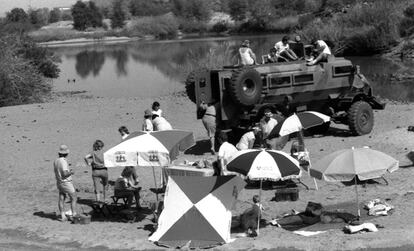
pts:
pixel 25 68
pixel 351 27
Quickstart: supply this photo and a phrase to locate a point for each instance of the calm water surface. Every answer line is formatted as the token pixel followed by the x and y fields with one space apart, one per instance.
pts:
pixel 158 68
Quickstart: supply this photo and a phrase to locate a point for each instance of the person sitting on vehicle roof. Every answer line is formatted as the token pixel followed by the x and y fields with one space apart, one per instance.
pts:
pixel 322 50
pixel 283 49
pixel 272 57
pixel 247 57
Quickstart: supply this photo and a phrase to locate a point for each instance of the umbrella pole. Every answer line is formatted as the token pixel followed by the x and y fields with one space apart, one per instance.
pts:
pixel 155 181
pixel 356 190
pixel 260 210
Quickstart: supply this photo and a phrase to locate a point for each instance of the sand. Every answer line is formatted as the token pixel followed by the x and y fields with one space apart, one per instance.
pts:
pixel 31 135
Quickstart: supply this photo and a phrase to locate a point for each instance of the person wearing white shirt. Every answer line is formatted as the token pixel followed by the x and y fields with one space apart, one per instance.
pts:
pixel 283 49
pixel 160 123
pixel 147 124
pixel 247 140
pixel 156 108
pixel 267 123
pixel 247 56
pixel 323 49
pixel 225 153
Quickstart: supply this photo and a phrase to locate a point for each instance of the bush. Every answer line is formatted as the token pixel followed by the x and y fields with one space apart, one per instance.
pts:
pixel 406 27
pixel 192 25
pixel 20 80
pixel 363 29
pixel 220 27
pixel 158 26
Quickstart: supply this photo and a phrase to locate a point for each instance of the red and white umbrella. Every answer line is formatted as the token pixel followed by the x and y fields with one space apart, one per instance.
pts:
pixel 261 164
pixel 297 122
pixel 149 148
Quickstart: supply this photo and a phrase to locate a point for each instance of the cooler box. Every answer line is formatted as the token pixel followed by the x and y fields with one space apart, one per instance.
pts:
pixel 287 194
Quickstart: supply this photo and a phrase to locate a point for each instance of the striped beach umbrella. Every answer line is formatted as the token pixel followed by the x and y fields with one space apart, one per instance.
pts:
pixel 197 211
pixel 297 122
pixel 261 164
pixel 149 148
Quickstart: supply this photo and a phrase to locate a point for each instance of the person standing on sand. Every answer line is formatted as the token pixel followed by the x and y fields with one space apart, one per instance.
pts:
pixel 99 171
pixel 267 123
pixel 208 117
pixel 124 132
pixel 156 108
pixel 64 182
pixel 147 125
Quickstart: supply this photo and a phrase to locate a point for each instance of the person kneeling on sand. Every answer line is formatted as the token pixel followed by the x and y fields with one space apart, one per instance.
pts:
pixel 160 123
pixel 64 182
pixel 127 186
pixel 250 218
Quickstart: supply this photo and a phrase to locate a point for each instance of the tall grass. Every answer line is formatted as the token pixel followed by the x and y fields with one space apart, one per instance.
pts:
pixel 363 29
pixel 214 58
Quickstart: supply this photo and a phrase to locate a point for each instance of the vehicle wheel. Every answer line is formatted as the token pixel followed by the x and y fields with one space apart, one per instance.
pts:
pixel 246 87
pixel 360 118
pixel 190 86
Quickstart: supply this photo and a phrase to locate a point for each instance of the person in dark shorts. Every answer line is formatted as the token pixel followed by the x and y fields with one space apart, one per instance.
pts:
pixel 99 171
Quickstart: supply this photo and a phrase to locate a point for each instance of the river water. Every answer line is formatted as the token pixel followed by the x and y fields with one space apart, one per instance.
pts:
pixel 157 68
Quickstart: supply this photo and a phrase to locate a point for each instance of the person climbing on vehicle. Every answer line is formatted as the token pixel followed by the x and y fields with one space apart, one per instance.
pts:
pixel 247 56
pixel 322 50
pixel 283 49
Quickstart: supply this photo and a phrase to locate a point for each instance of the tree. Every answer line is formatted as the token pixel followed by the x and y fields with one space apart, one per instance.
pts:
pixel 17 15
pixel 80 15
pixel 39 17
pixel 54 15
pixel 118 15
pixel 192 9
pixel 262 13
pixel 94 15
pixel 238 9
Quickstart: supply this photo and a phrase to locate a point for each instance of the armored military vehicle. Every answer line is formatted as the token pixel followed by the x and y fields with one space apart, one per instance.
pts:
pixel 335 88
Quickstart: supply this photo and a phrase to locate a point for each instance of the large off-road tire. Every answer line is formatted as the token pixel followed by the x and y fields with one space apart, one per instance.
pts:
pixel 190 86
pixel 360 118
pixel 246 86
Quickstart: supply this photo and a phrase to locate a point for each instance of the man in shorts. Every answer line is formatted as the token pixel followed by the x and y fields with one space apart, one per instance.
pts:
pixel 64 181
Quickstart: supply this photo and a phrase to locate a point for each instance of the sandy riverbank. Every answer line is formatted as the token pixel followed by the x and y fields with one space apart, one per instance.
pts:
pixel 31 135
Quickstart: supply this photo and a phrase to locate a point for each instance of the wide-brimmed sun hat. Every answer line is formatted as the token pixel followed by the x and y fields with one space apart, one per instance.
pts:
pixel 63 149
pixel 148 112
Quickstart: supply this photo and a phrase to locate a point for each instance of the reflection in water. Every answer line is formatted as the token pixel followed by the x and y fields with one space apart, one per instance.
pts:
pixel 89 61
pixel 121 58
pixel 160 67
